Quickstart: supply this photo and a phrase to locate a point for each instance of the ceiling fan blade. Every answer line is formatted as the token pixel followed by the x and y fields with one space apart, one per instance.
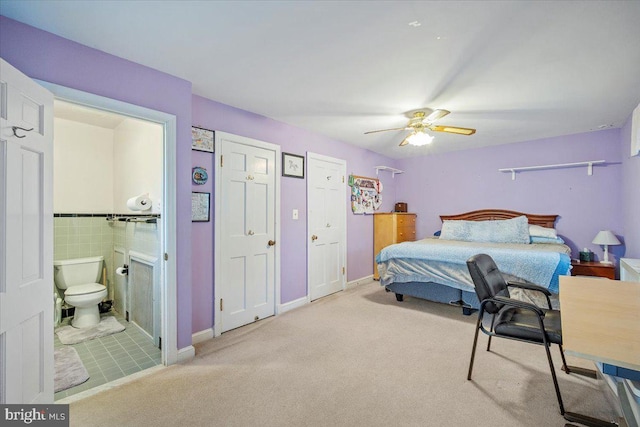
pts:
pixel 435 115
pixel 384 130
pixel 452 129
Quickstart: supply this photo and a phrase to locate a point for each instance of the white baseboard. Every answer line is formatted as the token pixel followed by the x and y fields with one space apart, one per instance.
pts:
pixel 201 336
pixel 360 281
pixel 186 353
pixel 283 308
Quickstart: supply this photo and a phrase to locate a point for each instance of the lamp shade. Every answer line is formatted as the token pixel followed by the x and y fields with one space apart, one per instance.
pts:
pixel 606 237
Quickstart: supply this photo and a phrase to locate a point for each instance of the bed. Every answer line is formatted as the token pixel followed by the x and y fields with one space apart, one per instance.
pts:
pixel 435 268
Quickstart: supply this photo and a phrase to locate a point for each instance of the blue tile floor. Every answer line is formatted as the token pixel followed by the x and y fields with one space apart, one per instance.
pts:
pixel 112 357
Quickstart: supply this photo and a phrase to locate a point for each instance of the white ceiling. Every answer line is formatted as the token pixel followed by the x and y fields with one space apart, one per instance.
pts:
pixel 90 116
pixel 515 71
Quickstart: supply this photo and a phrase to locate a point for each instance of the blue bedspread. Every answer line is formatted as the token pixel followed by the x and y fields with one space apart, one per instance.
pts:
pixel 542 267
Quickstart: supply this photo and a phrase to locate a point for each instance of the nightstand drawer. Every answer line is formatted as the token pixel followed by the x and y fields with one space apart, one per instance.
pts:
pixel 592 269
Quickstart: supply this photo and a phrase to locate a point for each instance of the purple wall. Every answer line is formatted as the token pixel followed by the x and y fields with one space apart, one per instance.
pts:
pixel 213 115
pixel 202 249
pixel 630 193
pixel 461 181
pixel 433 185
pixel 47 57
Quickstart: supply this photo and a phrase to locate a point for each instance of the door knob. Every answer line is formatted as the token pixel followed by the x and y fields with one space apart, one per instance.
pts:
pixel 271 242
pixel 314 238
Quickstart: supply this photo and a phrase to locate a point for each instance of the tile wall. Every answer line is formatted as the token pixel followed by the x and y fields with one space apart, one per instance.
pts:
pixel 85 235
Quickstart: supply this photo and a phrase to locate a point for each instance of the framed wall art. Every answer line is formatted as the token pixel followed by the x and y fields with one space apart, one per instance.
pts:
pixel 199 175
pixel 202 139
pixel 292 165
pixel 200 207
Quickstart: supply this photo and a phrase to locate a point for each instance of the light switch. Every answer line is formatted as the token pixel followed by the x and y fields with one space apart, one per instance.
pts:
pixel 295 214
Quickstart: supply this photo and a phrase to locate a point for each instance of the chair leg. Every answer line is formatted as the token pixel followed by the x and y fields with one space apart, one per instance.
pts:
pixel 493 319
pixel 555 380
pixel 564 361
pixel 591 373
pixel 473 350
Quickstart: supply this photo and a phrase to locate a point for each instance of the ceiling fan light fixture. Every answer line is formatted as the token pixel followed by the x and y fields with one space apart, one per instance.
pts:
pixel 419 138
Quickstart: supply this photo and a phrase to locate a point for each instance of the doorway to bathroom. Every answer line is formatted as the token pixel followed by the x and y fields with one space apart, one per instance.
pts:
pixel 103 162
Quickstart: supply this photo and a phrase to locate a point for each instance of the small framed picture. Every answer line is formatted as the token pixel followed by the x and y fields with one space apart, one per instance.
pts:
pixel 200 207
pixel 292 165
pixel 202 139
pixel 199 175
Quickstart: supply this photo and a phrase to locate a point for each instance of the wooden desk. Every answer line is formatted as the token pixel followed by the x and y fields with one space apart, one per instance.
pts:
pixel 601 322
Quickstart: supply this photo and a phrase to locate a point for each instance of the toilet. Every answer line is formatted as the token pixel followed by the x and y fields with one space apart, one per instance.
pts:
pixel 77 279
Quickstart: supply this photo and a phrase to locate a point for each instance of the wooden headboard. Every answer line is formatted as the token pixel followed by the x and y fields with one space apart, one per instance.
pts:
pixel 492 214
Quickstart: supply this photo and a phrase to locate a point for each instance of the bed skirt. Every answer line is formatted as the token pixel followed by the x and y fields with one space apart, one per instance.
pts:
pixel 436 292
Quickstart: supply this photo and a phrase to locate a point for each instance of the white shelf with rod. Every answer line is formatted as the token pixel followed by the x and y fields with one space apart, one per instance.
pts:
pixel 589 164
pixel 393 171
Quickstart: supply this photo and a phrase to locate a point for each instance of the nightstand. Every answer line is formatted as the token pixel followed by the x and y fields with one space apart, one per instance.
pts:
pixel 598 269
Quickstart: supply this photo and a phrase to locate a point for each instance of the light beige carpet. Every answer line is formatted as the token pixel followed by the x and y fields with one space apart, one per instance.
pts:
pixel 69 370
pixel 356 358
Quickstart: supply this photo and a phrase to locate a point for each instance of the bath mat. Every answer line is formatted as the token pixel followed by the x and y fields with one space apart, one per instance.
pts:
pixel 108 325
pixel 70 371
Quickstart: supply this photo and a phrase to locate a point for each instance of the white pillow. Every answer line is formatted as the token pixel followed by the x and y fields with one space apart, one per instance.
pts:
pixel 538 231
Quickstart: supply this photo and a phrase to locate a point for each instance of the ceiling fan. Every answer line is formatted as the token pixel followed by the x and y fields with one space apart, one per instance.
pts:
pixel 420 122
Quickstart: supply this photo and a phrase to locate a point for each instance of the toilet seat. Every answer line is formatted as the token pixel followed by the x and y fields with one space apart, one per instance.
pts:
pixel 87 289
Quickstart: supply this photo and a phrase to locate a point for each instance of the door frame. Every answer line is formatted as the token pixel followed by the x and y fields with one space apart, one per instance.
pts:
pixel 217 244
pixel 311 157
pixel 168 273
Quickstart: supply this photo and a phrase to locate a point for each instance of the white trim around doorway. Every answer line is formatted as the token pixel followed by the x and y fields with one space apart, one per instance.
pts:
pixel 168 328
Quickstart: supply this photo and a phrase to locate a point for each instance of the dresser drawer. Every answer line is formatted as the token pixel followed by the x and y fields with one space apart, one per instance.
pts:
pixel 406 234
pixel 406 221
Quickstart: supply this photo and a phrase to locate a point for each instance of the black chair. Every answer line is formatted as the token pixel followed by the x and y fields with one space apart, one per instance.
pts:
pixel 511 318
pixel 521 321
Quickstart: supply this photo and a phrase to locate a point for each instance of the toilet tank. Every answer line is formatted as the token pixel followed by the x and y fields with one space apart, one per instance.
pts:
pixel 77 271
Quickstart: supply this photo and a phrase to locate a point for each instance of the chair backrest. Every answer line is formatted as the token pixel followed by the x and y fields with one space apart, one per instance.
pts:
pixel 487 279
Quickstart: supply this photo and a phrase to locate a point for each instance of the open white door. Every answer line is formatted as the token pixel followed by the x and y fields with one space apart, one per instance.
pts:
pixel 26 235
pixel 326 225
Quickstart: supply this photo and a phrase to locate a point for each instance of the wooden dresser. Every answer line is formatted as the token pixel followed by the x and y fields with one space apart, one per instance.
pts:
pixel 390 228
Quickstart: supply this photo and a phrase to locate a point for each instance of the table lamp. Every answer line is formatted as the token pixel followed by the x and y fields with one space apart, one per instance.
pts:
pixel 606 238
